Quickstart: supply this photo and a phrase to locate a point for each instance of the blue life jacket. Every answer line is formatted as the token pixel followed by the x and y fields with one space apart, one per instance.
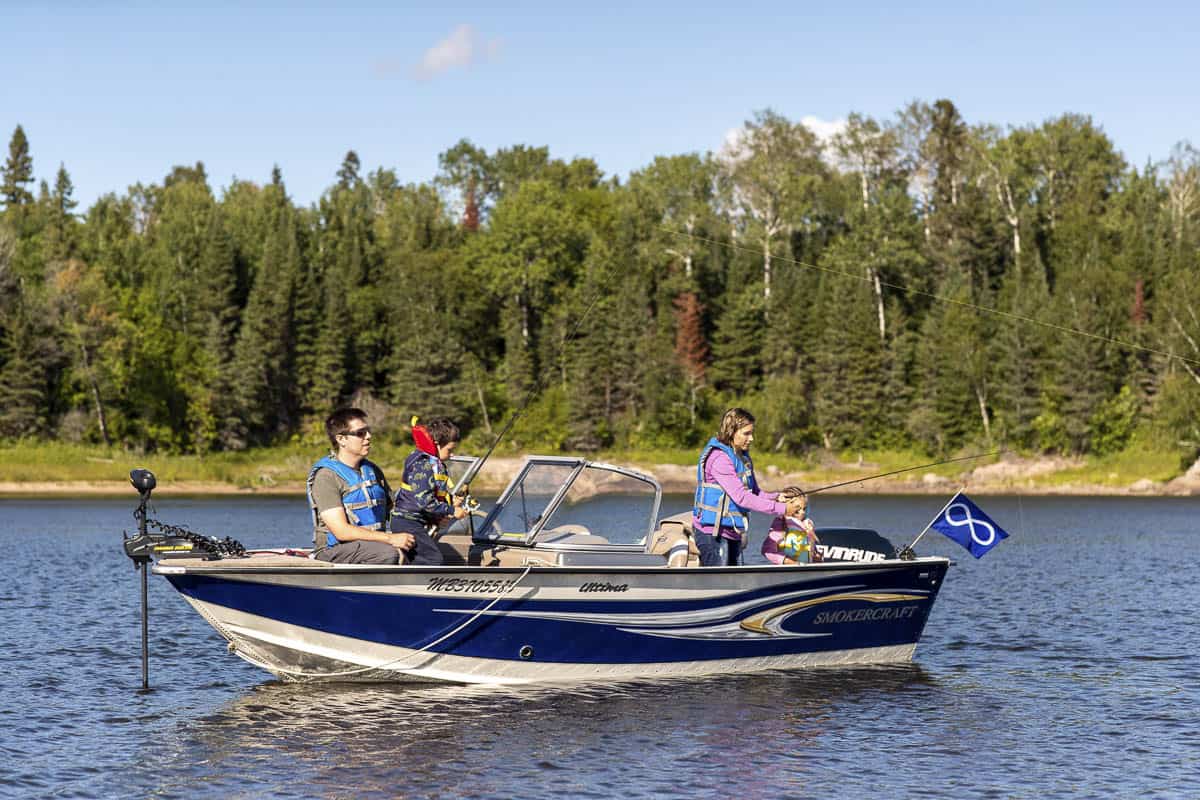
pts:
pixel 708 495
pixel 364 497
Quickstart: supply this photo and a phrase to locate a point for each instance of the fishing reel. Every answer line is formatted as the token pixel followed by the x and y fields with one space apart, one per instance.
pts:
pixel 471 504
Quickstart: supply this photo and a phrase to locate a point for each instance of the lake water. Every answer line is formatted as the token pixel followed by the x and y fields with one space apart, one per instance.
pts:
pixel 1063 664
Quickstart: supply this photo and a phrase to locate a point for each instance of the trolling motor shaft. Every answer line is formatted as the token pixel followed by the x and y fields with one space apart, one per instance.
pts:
pixel 139 548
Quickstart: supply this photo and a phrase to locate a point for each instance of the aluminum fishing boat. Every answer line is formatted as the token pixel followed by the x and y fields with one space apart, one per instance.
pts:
pixel 571 575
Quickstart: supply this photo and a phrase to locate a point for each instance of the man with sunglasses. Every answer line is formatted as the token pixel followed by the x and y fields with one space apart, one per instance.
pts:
pixel 350 498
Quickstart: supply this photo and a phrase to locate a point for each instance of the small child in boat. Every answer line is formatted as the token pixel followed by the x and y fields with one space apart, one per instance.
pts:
pixel 792 539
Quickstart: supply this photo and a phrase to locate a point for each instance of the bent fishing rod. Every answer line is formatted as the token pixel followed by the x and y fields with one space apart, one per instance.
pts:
pixel 906 469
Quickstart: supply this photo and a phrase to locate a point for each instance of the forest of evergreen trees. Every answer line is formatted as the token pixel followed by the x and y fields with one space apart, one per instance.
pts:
pixel 916 282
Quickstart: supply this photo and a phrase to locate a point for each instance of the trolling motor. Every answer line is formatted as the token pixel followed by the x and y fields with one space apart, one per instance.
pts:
pixel 170 541
pixel 139 548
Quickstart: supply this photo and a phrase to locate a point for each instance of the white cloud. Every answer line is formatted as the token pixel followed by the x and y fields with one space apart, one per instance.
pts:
pixel 462 48
pixel 824 129
pixel 733 142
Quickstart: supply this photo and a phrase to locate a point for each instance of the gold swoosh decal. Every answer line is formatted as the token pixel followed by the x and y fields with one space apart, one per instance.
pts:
pixel 758 624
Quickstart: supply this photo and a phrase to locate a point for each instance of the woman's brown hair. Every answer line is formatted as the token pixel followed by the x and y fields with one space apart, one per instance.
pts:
pixel 734 420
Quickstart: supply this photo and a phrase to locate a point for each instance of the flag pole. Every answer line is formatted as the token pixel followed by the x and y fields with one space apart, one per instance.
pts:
pixel 906 552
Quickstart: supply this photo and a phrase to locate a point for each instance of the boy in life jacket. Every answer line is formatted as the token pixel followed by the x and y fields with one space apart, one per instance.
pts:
pixel 350 499
pixel 424 500
pixel 792 538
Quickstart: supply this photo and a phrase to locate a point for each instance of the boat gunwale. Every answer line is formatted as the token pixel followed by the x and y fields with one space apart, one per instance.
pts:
pixel 162 568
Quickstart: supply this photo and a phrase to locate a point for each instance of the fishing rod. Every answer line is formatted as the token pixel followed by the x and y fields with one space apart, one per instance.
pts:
pixel 906 469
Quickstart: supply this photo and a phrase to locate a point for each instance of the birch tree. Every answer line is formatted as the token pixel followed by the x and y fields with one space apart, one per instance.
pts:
pixel 872 151
pixel 772 170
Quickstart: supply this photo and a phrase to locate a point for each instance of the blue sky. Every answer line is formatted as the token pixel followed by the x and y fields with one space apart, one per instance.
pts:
pixel 119 92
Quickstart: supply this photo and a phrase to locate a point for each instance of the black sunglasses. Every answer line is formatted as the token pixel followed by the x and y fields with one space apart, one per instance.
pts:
pixel 361 433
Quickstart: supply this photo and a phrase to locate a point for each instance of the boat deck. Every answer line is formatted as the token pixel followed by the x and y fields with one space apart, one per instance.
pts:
pixel 669 545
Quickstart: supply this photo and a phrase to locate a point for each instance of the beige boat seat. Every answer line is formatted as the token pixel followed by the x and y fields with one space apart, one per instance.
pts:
pixel 673 540
pixel 502 555
pixel 456 549
pixel 568 534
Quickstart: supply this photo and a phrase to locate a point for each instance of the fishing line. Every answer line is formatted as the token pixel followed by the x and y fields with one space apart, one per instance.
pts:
pixel 907 469
pixel 932 296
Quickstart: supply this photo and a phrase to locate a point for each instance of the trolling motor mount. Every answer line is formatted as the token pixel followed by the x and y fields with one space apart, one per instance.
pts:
pixel 169 541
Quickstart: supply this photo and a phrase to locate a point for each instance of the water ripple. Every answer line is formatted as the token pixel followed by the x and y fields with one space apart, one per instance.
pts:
pixel 1060 666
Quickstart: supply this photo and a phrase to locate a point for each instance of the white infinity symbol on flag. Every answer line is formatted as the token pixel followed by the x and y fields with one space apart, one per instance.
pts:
pixel 972 522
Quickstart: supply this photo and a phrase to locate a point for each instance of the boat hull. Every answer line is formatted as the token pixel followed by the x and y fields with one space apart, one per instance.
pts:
pixel 517 625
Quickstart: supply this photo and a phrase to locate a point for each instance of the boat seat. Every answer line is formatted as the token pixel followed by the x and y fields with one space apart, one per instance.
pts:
pixel 568 534
pixel 456 549
pixel 502 555
pixel 673 540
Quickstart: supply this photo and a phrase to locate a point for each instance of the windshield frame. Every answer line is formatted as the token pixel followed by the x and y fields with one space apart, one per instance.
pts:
pixel 485 532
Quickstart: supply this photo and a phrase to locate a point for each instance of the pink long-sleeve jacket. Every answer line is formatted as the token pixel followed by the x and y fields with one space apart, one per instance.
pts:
pixel 719 469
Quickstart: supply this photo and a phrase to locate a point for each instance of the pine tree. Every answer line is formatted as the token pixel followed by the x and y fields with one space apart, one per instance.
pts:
pixel 737 363
pixel 847 369
pixel 1019 352
pixel 17 172
pixel 426 376
pixel 26 355
pixel 86 314
pixel 598 350
pixel 264 404
pixel 61 223
pixel 348 173
pixel 470 218
pixel 691 348
pixel 953 377
pixel 333 353
pixel 210 402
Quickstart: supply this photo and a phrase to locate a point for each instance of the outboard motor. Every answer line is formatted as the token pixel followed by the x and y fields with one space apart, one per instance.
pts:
pixel 853 544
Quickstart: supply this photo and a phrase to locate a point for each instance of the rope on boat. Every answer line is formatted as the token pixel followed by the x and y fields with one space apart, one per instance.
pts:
pixel 388 664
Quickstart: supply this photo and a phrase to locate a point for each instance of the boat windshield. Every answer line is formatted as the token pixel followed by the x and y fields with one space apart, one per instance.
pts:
pixel 567 501
pixel 525 502
pixel 613 504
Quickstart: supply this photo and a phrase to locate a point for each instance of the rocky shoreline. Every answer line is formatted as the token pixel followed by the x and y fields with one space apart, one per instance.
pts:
pixel 1033 476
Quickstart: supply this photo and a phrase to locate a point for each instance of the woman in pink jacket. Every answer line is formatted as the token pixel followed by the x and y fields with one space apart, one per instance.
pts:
pixel 727 491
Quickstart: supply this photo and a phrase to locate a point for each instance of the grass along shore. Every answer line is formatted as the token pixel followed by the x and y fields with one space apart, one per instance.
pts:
pixel 58 469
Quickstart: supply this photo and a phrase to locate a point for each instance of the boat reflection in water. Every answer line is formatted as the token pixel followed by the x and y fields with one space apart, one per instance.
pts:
pixel 487 740
pixel 571 576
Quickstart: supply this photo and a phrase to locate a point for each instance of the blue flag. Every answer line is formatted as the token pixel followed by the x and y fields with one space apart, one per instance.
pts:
pixel 965 523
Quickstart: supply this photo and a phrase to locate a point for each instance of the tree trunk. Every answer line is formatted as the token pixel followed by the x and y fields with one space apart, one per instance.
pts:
pixel 1004 195
pixel 100 418
pixel 766 269
pixel 874 273
pixel 981 396
pixel 487 423
pixel 687 261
